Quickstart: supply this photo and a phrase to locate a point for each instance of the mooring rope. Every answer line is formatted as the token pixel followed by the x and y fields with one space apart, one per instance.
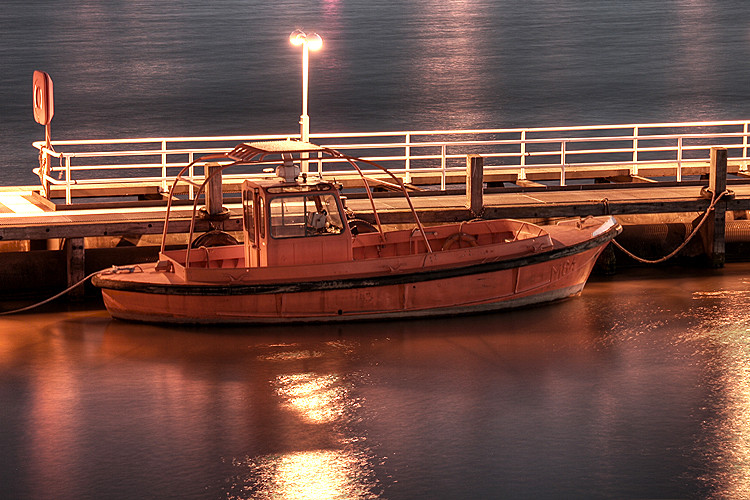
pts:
pixel 714 200
pixel 109 270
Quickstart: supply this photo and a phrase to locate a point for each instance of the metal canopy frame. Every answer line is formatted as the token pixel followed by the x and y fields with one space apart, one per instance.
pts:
pixel 246 152
pixel 250 153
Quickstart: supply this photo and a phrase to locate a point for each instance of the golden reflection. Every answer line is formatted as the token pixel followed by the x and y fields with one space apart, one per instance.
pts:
pixel 324 400
pixel 291 355
pixel 727 328
pixel 309 475
pixel 317 398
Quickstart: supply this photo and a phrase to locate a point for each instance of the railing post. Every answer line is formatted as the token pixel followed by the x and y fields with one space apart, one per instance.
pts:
pixel 562 162
pixel 634 168
pixel 522 172
pixel 68 196
pixel 164 166
pixel 45 170
pixel 744 147
pixel 679 159
pixel 407 163
pixel 191 173
pixel 474 184
pixel 442 167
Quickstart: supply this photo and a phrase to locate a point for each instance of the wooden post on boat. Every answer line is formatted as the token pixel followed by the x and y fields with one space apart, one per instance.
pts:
pixel 474 184
pixel 713 231
pixel 74 256
pixel 214 194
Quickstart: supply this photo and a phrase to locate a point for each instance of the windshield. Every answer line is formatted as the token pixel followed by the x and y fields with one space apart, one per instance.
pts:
pixel 304 216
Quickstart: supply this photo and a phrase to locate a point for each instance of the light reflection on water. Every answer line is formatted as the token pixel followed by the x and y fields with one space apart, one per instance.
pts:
pixel 341 471
pixel 313 475
pixel 724 338
pixel 638 388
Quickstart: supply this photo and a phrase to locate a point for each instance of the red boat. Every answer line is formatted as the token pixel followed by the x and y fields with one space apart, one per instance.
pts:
pixel 300 261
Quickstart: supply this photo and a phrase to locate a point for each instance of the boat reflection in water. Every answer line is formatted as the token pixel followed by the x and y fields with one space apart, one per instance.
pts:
pixel 639 388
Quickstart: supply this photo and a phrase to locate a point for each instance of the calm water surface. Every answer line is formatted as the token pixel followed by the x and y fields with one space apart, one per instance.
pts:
pixel 185 68
pixel 639 388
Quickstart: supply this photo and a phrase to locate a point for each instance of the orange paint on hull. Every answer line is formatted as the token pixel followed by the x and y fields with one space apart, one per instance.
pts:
pixel 507 288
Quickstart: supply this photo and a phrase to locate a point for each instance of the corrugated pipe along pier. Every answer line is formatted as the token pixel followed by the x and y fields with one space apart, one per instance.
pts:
pixel 700 223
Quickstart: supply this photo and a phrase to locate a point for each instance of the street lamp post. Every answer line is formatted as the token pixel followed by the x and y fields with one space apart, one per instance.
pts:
pixel 308 42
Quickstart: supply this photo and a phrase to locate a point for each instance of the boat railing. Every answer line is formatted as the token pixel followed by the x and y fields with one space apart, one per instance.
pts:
pixel 668 148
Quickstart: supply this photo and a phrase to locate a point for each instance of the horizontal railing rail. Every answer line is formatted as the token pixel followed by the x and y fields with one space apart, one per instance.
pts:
pixel 409 154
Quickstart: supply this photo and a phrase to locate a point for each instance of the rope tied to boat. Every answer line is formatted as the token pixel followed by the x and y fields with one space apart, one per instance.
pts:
pixel 605 202
pixel 107 271
pixel 120 270
pixel 714 200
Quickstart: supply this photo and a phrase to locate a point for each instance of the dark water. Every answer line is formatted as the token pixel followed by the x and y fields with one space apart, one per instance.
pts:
pixel 639 388
pixel 139 68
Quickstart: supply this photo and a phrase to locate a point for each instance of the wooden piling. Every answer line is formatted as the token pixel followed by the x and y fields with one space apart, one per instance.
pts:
pixel 713 231
pixel 474 184
pixel 74 256
pixel 214 195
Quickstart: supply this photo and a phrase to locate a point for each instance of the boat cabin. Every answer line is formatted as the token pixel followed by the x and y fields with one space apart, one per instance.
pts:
pixel 294 223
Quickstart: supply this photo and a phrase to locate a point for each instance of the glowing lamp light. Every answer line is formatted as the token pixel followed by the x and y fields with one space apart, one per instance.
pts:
pixel 297 37
pixel 313 40
pixel 309 42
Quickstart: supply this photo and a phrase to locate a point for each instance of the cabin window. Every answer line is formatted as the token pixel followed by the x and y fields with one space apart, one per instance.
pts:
pixel 300 216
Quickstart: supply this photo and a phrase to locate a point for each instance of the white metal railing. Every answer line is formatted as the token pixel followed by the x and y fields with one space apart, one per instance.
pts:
pixel 408 153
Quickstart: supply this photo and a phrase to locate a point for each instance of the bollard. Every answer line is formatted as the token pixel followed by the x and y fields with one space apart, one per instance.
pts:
pixel 214 195
pixel 474 186
pixel 713 231
pixel 214 211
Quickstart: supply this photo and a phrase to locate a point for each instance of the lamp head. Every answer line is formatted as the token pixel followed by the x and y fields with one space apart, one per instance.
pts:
pixel 297 37
pixel 314 42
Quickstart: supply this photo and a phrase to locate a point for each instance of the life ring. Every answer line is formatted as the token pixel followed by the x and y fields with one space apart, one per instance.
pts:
pixel 459 238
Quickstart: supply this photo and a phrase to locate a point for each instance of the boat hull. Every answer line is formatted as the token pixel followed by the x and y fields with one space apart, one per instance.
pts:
pixel 487 286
